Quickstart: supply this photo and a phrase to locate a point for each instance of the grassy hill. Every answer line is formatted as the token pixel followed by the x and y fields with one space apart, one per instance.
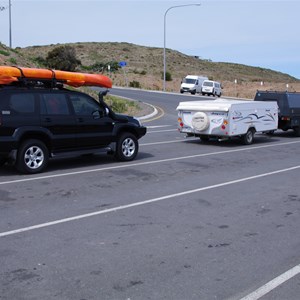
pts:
pixel 145 66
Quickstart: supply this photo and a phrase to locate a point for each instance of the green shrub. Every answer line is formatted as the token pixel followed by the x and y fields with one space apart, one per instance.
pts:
pixel 63 58
pixel 135 71
pixel 13 61
pixel 5 53
pixel 168 76
pixel 101 66
pixel 39 61
pixel 134 84
pixel 117 105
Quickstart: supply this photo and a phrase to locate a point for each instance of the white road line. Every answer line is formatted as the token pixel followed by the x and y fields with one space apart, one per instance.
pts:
pixel 26 178
pixel 165 130
pixel 122 207
pixel 271 285
pixel 158 126
pixel 168 142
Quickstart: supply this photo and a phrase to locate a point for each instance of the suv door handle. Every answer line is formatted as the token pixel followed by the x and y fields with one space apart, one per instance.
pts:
pixel 48 120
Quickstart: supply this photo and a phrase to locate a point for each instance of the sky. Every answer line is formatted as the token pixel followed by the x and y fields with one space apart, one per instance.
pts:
pixel 261 33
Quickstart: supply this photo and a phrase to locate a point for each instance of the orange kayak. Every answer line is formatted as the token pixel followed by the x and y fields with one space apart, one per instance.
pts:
pixel 9 75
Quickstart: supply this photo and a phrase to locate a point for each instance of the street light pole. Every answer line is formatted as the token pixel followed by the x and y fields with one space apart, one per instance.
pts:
pixel 195 4
pixel 10 42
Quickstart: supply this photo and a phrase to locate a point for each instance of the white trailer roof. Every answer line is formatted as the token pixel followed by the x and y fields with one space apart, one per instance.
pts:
pixel 210 105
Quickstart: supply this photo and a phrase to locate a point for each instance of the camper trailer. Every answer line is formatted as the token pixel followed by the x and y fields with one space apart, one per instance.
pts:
pixel 225 119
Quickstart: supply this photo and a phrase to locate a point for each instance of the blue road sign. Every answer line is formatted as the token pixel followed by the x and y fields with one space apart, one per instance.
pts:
pixel 122 64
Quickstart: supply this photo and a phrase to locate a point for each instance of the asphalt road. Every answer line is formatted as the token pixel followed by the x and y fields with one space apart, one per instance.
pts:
pixel 185 220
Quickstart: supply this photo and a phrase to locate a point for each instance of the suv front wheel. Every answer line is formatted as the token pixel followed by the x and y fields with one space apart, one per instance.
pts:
pixel 33 157
pixel 127 147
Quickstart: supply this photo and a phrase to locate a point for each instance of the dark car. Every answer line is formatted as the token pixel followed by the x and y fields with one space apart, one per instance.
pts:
pixel 38 123
pixel 289 108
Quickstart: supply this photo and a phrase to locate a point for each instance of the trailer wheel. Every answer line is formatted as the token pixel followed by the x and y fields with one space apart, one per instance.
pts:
pixel 247 139
pixel 200 121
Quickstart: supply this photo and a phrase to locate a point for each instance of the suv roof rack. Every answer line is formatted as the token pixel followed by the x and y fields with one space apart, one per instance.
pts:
pixel 24 81
pixel 38 83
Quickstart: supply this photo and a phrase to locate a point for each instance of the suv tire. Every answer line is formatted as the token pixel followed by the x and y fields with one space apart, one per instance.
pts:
pixel 33 157
pixel 127 147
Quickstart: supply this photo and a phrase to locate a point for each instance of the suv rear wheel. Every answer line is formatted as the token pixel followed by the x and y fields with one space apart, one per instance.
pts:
pixel 33 157
pixel 127 147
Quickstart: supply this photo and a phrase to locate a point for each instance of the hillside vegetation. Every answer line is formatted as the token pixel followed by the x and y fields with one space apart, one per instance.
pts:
pixel 145 66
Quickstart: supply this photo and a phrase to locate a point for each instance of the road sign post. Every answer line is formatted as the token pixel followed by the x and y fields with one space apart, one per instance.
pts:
pixel 123 64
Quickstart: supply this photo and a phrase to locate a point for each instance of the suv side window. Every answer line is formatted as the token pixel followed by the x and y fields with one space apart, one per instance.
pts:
pixel 54 104
pixel 22 103
pixel 84 105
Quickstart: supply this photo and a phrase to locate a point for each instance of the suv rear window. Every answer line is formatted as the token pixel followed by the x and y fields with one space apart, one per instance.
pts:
pixel 22 103
pixel 294 101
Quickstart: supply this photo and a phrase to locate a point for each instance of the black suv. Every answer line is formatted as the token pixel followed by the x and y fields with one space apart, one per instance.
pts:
pixel 289 108
pixel 38 123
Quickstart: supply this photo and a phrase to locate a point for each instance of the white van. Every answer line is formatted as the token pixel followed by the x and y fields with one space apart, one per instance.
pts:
pixel 210 87
pixel 192 84
pixel 224 119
